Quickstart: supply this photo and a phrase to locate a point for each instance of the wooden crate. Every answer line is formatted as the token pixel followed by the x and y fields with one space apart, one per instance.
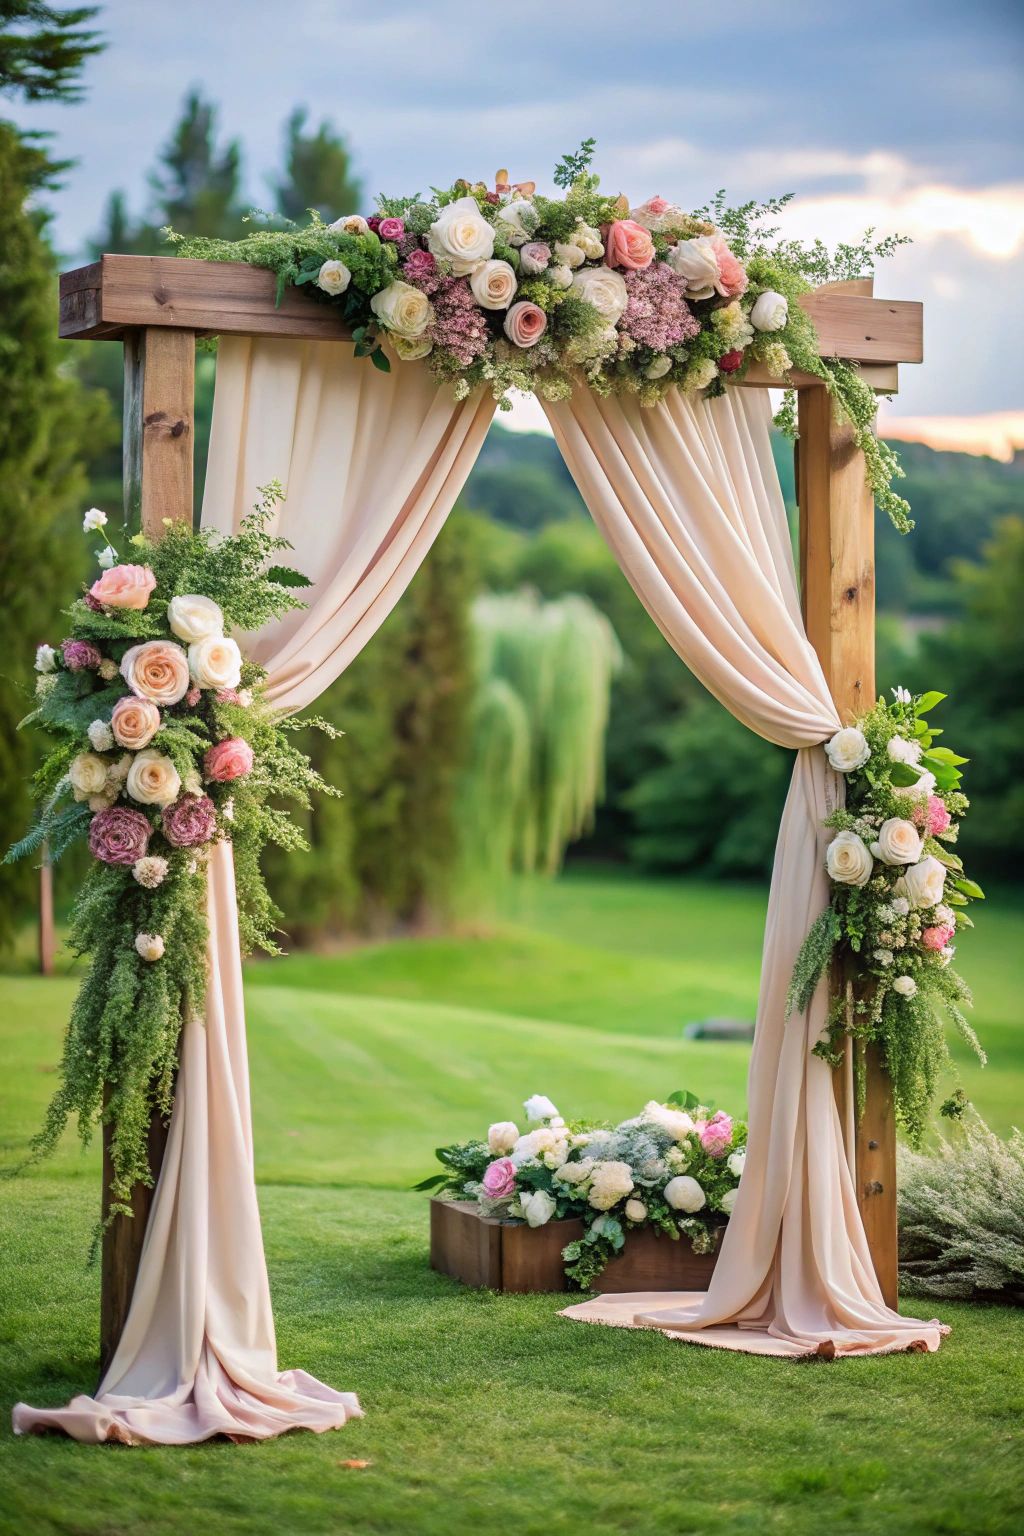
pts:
pixel 507 1256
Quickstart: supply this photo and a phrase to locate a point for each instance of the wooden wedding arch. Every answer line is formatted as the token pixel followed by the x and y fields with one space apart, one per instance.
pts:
pixel 158 305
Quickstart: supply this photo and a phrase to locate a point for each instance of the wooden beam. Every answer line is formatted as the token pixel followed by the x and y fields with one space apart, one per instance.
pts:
pixel 884 378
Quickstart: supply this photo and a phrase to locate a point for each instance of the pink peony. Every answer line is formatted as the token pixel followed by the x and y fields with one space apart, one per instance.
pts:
pixel 937 938
pixel 118 835
pixel 732 279
pixel 230 759
pixel 500 1178
pixel 730 361
pixel 627 244
pixel 124 586
pixel 525 323
pixel 716 1134
pixel 189 821
pixel 418 264
pixel 80 655
pixel 391 229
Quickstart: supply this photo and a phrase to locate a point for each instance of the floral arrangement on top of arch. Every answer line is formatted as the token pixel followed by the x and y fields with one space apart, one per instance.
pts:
pixel 505 287
pixel 675 1167
pixel 165 744
pixel 899 896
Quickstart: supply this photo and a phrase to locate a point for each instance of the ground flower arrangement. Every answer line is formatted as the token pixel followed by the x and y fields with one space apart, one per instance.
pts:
pixel 899 897
pixel 676 1167
pixel 501 286
pixel 164 745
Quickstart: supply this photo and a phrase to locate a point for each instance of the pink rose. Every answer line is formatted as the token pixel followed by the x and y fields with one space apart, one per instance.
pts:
pixel 730 361
pixel 391 229
pixel 655 206
pixel 230 759
pixel 627 244
pixel 134 722
pixel 124 586
pixel 716 1134
pixel 937 938
pixel 419 264
pixel 732 279
pixel 525 323
pixel 500 1178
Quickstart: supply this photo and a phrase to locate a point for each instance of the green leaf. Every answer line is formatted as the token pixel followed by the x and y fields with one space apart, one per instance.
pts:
pixel 286 577
pixel 927 701
pixel 970 889
pixel 902 775
pixel 432 1183
pixel 358 333
pixel 684 1098
pixel 943 755
pixel 379 360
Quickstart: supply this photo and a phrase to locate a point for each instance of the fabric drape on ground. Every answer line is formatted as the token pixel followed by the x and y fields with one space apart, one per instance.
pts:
pixel 371 465
pixel 687 497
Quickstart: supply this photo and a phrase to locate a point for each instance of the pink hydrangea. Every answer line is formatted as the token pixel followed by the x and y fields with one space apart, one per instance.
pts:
pixel 937 938
pixel 657 314
pixel 716 1134
pixel 938 817
pixel 499 1179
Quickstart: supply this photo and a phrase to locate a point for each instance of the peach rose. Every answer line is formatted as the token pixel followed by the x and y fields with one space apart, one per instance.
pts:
pixel 134 722
pixel 124 586
pixel 627 244
pixel 525 323
pixel 157 670
pixel 732 279
pixel 153 778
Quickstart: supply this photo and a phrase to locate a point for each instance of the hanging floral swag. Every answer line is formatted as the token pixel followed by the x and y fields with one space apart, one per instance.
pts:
pixel 899 897
pixel 165 744
pixel 508 288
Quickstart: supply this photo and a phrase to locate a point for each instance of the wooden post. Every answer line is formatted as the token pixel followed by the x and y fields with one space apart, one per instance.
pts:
pixel 47 930
pixel 838 595
pixel 159 394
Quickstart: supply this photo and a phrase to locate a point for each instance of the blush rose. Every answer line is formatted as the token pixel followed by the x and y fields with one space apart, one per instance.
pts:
pixel 627 244
pixel 124 586
pixel 134 722
pixel 525 323
pixel 230 759
pixel 157 670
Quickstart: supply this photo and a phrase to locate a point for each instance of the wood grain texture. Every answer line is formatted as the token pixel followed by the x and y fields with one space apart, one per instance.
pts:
pixel 123 1240
pixel 852 325
pixel 464 1244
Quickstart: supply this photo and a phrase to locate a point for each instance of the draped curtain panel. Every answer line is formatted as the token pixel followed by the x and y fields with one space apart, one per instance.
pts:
pixel 688 499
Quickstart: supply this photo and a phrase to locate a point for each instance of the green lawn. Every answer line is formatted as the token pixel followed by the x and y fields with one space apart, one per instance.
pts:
pixel 485 1410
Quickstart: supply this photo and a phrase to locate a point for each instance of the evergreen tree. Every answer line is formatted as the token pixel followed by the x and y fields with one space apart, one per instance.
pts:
pixel 317 173
pixel 43 49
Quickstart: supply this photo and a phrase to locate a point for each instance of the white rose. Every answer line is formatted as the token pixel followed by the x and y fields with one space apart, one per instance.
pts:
pixel 658 368
pixel 333 277
pixel 609 1182
pixel 46 658
pixel 696 262
pixel 149 945
pixel 193 617
pixel 153 778
pixel 736 1162
pixel 925 882
pixel 569 255
pixel 575 1173
pixel 770 312
pixel 560 276
pixel 410 349
pixel 539 1108
pixel 494 284
pixel 728 1201
pixel 402 309
pixel 93 519
pixel 462 236
pixel 534 258
pixel 636 1210
pixel 520 218
pixel 899 842
pixel 107 558
pixel 588 240
pixel 675 1121
pixel 215 662
pixel 538 1206
pixel 848 750
pixel 848 860
pixel 88 775
pixel 906 986
pixel 603 288
pixel 684 1194
pixel 502 1137
pixel 903 751
pixel 150 871
pixel 351 224
pixel 533 1145
pixel 101 736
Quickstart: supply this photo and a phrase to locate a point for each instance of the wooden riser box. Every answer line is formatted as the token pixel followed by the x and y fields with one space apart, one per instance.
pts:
pixel 506 1256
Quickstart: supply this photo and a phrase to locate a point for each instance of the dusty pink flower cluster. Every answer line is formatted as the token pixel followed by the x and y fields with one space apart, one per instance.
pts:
pixel 657 314
pixel 80 655
pixel 931 816
pixel 459 325
pixel 119 835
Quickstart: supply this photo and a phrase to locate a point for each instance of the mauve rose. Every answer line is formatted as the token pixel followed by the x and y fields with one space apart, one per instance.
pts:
pixel 119 836
pixel 230 759
pixel 124 586
pixel 730 361
pixel 525 323
pixel 716 1134
pixel 189 821
pixel 499 1179
pixel 391 229
pixel 134 722
pixel 374 223
pixel 419 264
pixel 627 244
pixel 80 655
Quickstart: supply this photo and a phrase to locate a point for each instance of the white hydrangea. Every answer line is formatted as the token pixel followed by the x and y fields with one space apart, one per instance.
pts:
pixel 100 736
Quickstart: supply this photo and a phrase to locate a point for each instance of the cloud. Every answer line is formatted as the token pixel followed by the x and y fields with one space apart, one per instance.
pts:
pixel 989 220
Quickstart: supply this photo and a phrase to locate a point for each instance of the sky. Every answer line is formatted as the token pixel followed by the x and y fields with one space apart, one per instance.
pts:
pixel 906 115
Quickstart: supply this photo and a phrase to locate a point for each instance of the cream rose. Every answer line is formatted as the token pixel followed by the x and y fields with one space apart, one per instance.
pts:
pixel 695 261
pixel 403 309
pixel 462 236
pixel 193 617
pixel 534 257
pixel 588 240
pixel 88 775
pixel 157 670
pixel 333 277
pixel 153 778
pixel 494 284
pixel 560 276
pixel 899 842
pixel 684 1194
pixel 848 750
pixel 409 349
pixel 538 1207
pixel 134 722
pixel 604 289
pixel 520 220
pixel 502 1137
pixel 351 224
pixel 770 312
pixel 215 662
pixel 847 859
pixel 569 255
pixel 925 882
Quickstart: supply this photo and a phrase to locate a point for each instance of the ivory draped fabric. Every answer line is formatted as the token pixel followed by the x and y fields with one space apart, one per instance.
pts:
pixel 687 498
pixel 371 465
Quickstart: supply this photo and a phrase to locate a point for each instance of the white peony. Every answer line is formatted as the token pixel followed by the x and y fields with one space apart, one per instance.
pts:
pixel 609 1182
pixel 847 859
pixel 462 236
pixel 149 945
pixel 736 1162
pixel 925 882
pixel 194 617
pixel 502 1137
pixel 695 261
pixel 604 289
pixel 107 558
pixel 575 1173
pixel 906 986
pixel 848 749
pixel 659 368
pixel 569 255
pixel 150 871
pixel 684 1194
pixel 560 275
pixel 88 775
pixel 636 1210
pixel 153 778
pixel 403 309
pixel 538 1107
pixel 770 312
pixel 538 1206
pixel 351 224
pixel 520 218
pixel 215 662
pixel 93 519
pixel 533 1145
pixel 494 284
pixel 903 751
pixel 675 1121
pixel 899 842
pixel 101 736
pixel 46 658
pixel 728 1201
pixel 333 277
